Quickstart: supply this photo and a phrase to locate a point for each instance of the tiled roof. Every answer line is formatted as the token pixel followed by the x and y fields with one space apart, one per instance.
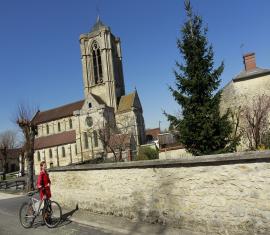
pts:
pixel 128 102
pixel 67 137
pixel 57 113
pixel 153 132
pixel 120 139
pixel 257 72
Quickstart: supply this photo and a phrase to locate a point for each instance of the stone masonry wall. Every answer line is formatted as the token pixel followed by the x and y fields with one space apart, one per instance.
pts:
pixel 221 194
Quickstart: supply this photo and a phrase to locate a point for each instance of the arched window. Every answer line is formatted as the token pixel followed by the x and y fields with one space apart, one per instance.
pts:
pixel 97 65
pixel 70 124
pixel 48 129
pixel 59 126
pixel 38 156
pixel 95 138
pixel 86 144
pixel 50 153
pixel 51 165
pixel 63 152
pixel 76 150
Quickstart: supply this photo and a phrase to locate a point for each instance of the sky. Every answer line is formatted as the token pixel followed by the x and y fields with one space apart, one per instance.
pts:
pixel 40 55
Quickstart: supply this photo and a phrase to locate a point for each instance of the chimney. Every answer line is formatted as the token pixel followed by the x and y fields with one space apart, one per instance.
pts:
pixel 249 61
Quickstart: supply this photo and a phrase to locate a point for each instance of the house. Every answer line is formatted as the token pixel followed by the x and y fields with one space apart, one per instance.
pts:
pixel 243 89
pixel 13 160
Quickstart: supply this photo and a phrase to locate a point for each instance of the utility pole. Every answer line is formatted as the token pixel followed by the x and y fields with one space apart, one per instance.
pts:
pixel 159 125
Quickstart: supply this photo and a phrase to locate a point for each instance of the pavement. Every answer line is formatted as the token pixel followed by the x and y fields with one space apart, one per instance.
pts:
pixel 121 225
pixel 78 221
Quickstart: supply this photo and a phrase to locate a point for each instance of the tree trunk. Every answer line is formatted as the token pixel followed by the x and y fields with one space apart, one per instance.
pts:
pixel 120 155
pixel 22 165
pixel 30 172
pixel 4 163
pixel 4 173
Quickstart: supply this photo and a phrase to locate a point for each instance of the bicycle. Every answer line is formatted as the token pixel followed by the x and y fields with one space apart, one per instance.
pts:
pixel 51 211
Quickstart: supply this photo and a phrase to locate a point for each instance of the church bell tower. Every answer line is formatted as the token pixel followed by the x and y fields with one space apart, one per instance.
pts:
pixel 102 64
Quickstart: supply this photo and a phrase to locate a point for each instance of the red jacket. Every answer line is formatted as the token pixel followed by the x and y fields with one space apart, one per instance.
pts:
pixel 43 184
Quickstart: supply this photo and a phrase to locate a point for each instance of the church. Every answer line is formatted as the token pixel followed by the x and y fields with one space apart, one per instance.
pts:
pixel 71 133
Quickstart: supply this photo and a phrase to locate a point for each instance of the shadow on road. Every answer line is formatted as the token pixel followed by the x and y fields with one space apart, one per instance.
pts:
pixel 64 220
pixel 67 215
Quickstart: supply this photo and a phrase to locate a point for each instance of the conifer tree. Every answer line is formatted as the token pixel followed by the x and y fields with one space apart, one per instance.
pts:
pixel 202 129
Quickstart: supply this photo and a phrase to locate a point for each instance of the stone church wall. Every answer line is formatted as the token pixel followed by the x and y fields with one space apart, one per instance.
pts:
pixel 218 194
pixel 53 126
pixel 57 158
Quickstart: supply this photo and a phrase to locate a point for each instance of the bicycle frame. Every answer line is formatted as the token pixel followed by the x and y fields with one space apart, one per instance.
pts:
pixel 32 200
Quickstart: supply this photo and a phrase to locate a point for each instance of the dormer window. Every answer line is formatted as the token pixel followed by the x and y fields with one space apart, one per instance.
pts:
pixel 97 66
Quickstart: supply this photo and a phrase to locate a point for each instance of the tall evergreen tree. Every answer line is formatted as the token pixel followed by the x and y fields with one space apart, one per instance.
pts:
pixel 202 129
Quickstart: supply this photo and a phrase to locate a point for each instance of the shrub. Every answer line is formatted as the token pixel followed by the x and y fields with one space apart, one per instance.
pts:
pixel 147 153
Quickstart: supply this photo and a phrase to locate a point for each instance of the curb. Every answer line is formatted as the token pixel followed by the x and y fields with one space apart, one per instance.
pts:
pixel 104 227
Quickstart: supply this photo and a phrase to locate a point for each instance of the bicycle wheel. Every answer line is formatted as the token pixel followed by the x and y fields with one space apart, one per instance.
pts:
pixel 52 214
pixel 26 215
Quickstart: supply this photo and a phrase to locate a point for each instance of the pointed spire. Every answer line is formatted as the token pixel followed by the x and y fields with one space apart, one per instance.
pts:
pixel 98 25
pixel 98 18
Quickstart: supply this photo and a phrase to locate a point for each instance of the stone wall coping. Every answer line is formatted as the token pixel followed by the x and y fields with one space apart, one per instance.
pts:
pixel 192 161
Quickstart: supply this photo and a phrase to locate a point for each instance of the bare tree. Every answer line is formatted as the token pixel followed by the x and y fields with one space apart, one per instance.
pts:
pixel 7 142
pixel 29 130
pixel 256 120
pixel 114 137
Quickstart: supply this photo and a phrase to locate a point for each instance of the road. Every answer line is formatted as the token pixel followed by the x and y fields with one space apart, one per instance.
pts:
pixel 10 224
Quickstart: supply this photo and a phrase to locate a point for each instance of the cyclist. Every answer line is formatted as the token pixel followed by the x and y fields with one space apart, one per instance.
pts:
pixel 44 182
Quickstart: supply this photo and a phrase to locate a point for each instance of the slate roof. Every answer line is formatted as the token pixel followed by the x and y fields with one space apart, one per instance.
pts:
pixel 257 72
pixel 66 137
pixel 57 113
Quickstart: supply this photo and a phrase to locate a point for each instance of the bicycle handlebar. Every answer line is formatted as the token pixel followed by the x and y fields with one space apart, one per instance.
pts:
pixel 31 193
